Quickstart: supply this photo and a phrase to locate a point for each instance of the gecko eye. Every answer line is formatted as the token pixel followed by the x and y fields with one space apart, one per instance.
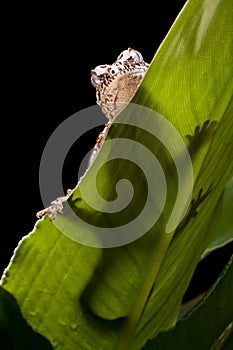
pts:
pixel 130 53
pixel 136 55
pixel 97 74
pixel 95 80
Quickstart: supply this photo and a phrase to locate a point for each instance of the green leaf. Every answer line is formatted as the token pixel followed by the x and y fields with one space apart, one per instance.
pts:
pixel 208 326
pixel 177 268
pixel 228 344
pixel 85 297
pixel 15 333
pixel 222 225
pixel 47 276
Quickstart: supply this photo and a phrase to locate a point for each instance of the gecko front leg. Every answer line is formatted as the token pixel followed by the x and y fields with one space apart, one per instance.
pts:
pixel 55 207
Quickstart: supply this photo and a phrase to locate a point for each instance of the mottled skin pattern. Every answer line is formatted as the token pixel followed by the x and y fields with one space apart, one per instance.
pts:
pixel 115 85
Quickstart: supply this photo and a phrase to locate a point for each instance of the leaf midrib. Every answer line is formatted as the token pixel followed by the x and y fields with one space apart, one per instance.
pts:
pixel 141 299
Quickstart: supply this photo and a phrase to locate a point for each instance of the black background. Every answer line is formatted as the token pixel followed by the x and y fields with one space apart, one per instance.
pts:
pixel 48 54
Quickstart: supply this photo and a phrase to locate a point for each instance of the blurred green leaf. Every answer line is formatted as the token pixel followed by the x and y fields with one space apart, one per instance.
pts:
pixel 222 225
pixel 208 326
pixel 15 333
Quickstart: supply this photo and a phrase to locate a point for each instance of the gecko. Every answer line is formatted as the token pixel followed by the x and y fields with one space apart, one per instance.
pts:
pixel 115 85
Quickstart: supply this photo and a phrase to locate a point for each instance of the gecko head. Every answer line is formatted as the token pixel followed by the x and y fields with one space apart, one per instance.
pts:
pixel 106 72
pixel 117 82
